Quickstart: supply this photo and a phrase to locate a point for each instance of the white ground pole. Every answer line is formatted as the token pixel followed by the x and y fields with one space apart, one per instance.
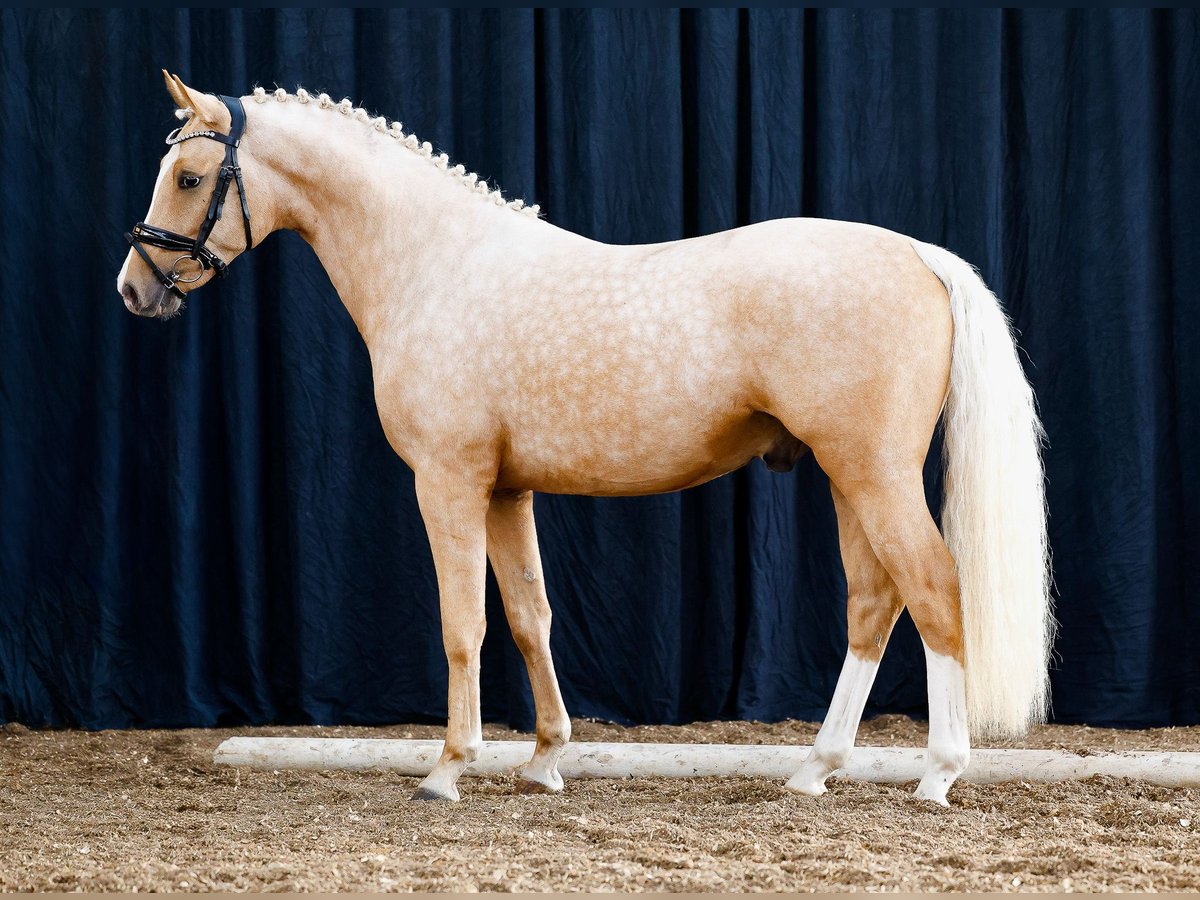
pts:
pixel 884 765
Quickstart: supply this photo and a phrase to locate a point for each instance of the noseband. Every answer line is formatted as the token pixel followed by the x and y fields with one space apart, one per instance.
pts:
pixel 193 248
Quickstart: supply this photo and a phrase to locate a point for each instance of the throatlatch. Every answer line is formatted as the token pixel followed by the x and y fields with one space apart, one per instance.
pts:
pixel 230 171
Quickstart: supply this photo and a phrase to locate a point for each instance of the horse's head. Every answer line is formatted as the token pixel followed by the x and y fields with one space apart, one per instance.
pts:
pixel 185 239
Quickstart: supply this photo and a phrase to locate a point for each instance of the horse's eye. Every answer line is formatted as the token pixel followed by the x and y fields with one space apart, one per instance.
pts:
pixel 189 181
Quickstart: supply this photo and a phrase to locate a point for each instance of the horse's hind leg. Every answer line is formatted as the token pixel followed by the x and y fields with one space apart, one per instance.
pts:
pixel 513 549
pixel 896 520
pixel 872 606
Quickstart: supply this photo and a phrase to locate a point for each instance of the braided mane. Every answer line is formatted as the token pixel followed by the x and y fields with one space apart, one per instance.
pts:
pixel 395 130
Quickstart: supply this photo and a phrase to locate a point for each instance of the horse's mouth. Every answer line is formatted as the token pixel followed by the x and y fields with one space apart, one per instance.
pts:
pixel 170 308
pixel 166 306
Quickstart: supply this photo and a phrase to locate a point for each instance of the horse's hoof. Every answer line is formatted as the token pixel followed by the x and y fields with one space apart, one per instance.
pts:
pixel 809 780
pixel 528 786
pixel 932 794
pixel 425 794
pixel 808 788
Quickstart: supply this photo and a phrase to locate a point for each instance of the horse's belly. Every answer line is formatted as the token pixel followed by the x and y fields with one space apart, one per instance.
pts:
pixel 633 458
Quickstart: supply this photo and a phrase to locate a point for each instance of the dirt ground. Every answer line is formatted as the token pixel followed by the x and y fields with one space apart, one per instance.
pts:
pixel 147 810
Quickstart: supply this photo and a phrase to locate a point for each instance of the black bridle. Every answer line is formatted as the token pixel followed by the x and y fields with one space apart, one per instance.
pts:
pixel 194 248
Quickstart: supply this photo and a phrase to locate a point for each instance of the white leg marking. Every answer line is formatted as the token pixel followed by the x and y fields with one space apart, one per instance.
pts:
pixel 542 770
pixel 949 741
pixel 442 782
pixel 831 749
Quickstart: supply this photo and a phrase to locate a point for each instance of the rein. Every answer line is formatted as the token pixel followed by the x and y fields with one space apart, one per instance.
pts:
pixel 193 248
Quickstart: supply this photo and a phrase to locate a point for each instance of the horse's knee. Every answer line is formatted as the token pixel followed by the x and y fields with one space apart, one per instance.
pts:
pixel 463 645
pixel 531 631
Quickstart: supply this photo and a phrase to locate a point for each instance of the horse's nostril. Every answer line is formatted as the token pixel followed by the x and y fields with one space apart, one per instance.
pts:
pixel 129 292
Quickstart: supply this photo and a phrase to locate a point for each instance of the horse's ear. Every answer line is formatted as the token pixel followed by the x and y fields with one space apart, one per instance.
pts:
pixel 207 108
pixel 174 88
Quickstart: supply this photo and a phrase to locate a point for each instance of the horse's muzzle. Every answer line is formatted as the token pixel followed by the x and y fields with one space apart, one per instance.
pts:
pixel 160 305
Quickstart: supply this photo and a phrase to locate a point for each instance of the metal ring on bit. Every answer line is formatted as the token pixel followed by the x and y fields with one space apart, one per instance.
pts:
pixel 176 277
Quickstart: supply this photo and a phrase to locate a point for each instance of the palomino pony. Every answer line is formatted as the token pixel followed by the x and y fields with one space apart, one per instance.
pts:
pixel 510 356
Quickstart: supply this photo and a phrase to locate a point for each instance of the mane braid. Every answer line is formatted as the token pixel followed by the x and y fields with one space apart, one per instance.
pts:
pixel 395 130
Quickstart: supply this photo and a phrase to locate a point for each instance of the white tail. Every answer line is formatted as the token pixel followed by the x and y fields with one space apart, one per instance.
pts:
pixel 994 509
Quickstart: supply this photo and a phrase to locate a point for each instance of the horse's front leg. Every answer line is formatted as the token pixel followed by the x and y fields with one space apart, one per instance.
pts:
pixel 513 548
pixel 454 508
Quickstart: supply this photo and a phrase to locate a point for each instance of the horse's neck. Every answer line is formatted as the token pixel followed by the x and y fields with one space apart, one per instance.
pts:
pixel 389 227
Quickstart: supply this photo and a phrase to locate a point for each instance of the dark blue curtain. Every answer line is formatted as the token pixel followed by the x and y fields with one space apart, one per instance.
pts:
pixel 201 521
